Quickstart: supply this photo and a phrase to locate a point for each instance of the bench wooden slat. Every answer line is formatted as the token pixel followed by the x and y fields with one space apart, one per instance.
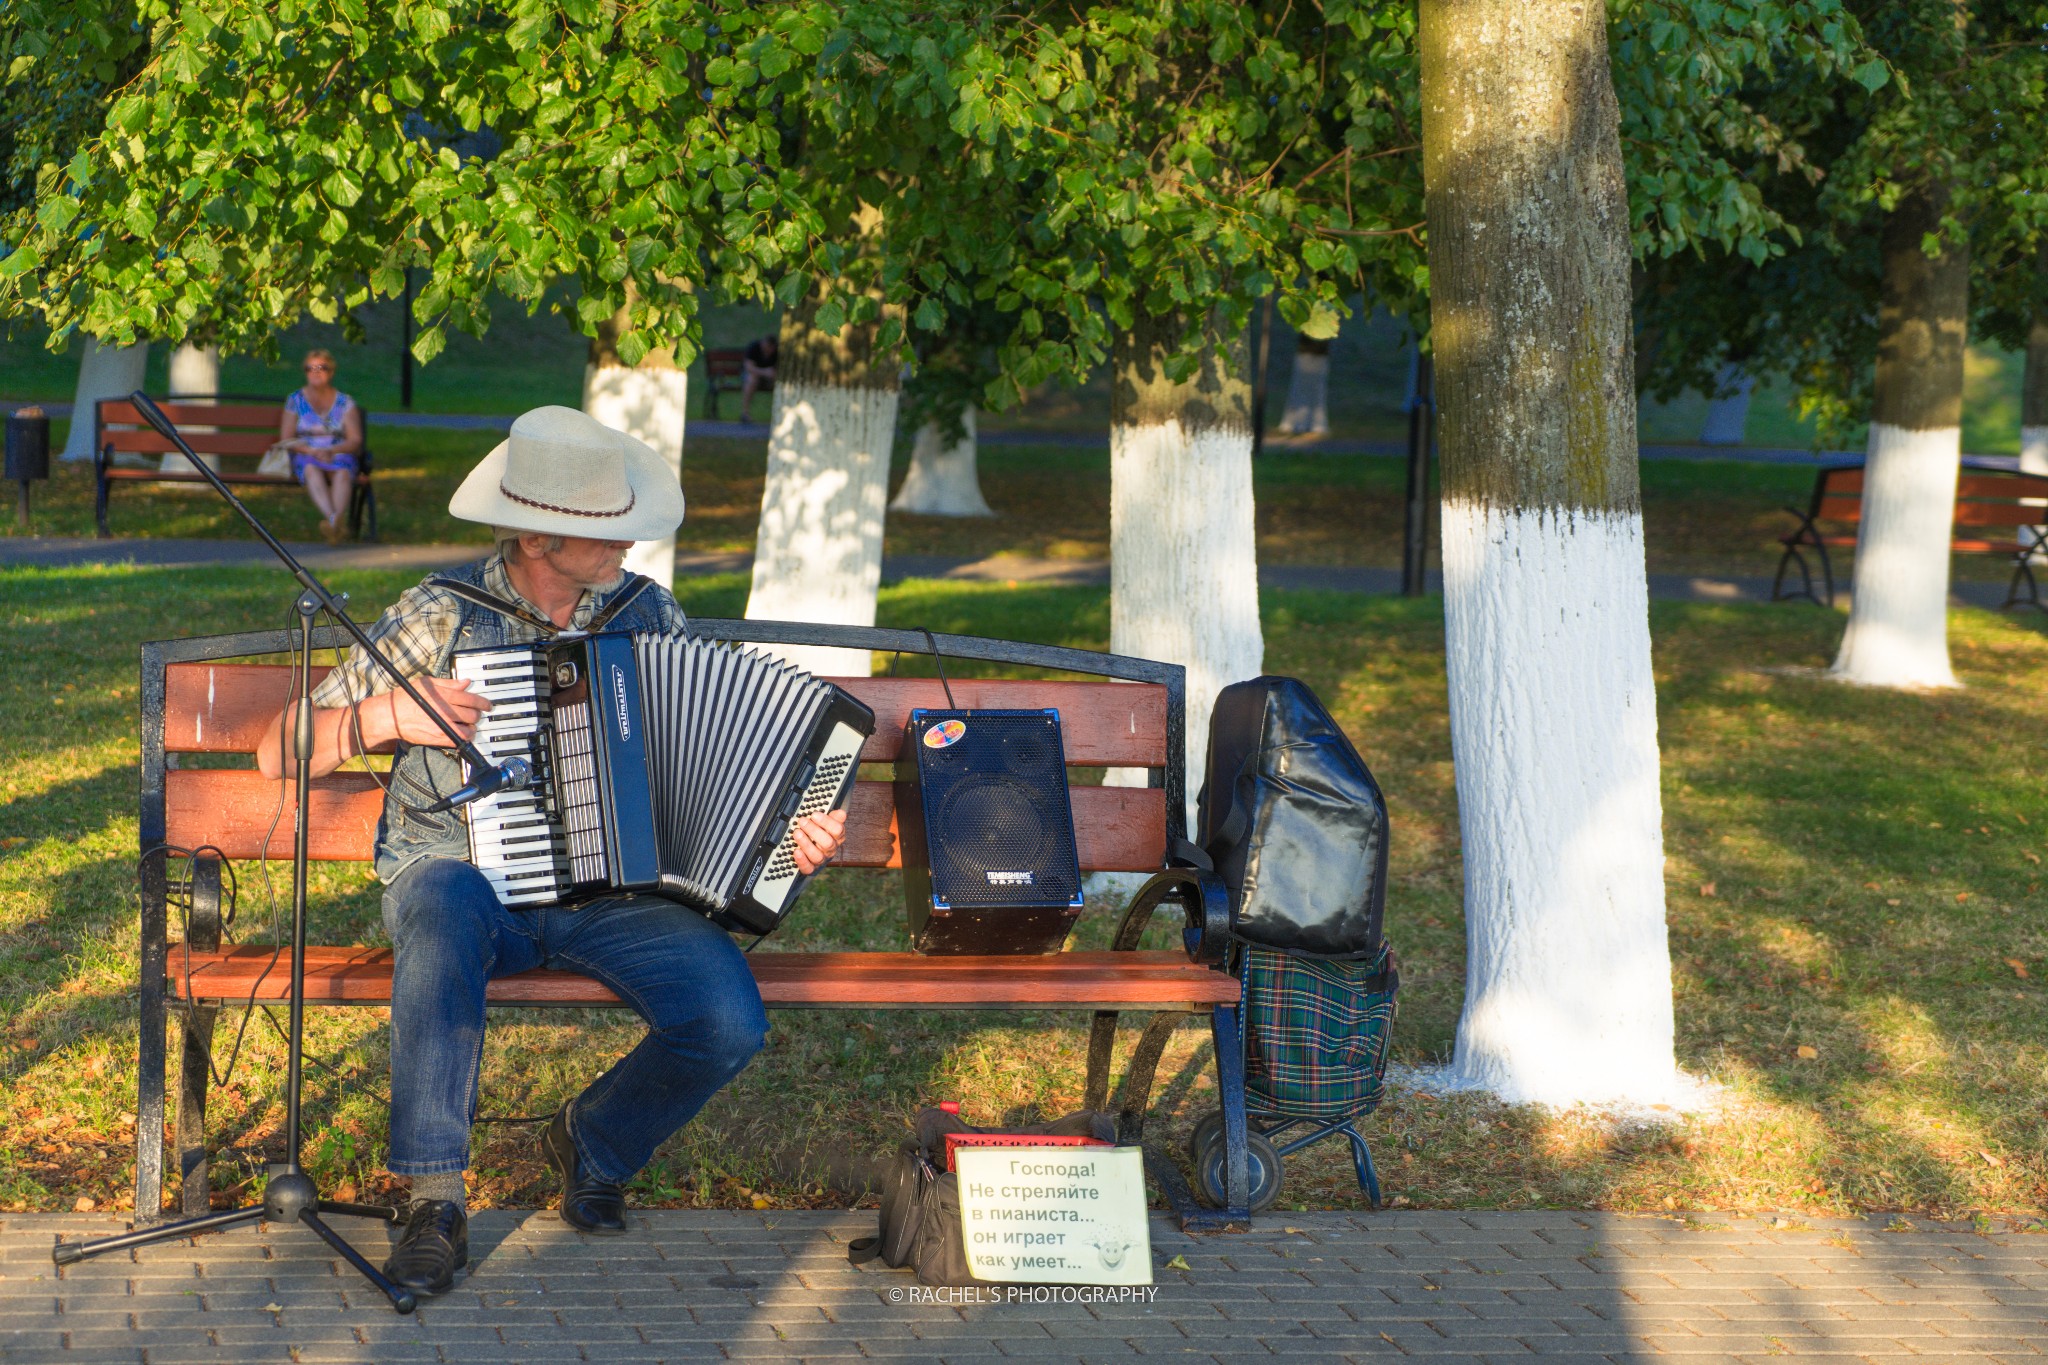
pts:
pixel 120 412
pixel 1119 829
pixel 116 475
pixel 359 975
pixel 222 708
pixel 230 443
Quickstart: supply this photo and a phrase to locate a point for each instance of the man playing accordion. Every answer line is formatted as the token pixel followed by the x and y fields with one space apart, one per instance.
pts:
pixel 566 498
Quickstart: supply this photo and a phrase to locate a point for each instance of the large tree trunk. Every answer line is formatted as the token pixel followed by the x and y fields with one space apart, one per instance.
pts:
pixel 1184 572
pixel 942 481
pixel 1898 615
pixel 103 372
pixel 818 556
pixel 194 373
pixel 1308 392
pixel 2034 389
pixel 1546 609
pixel 647 402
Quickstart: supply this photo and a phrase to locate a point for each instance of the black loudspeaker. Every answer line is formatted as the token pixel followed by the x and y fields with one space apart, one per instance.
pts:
pixel 989 863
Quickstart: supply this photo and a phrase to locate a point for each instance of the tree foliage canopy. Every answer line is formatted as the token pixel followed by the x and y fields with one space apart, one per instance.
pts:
pixel 240 163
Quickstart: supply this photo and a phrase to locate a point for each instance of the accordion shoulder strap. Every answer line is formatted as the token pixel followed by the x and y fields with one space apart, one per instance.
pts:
pixel 491 601
pixel 634 585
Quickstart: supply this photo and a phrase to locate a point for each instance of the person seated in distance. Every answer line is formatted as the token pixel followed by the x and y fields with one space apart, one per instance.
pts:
pixel 566 497
pixel 757 371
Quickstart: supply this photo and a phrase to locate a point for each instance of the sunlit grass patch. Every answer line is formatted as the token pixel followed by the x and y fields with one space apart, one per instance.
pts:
pixel 1853 880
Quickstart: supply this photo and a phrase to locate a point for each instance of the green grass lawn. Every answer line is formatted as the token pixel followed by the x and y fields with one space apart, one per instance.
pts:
pixel 1854 882
pixel 1701 517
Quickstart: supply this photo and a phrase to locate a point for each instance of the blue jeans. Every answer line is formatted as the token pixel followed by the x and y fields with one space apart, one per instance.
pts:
pixel 678 971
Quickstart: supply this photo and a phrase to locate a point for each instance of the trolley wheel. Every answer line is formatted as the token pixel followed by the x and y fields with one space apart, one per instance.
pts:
pixel 1207 1129
pixel 1262 1162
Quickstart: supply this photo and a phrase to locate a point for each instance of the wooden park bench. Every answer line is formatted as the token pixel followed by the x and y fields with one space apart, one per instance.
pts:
pixel 200 697
pixel 233 430
pixel 1984 501
pixel 724 372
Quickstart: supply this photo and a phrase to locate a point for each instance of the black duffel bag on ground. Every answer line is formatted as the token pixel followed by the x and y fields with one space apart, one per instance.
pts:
pixel 921 1198
pixel 1292 820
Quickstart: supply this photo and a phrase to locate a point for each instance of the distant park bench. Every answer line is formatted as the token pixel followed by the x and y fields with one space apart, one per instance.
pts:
pixel 725 372
pixel 241 430
pixel 1984 500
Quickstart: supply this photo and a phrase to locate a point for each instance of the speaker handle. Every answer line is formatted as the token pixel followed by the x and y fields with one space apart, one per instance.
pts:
pixel 939 662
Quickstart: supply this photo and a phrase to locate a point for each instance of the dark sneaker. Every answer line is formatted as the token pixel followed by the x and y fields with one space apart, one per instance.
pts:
pixel 434 1247
pixel 588 1203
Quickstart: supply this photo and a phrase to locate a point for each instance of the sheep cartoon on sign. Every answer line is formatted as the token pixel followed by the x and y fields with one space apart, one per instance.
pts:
pixel 1112 1249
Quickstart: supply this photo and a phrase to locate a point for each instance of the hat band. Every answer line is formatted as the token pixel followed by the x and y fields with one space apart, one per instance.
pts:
pixel 631 498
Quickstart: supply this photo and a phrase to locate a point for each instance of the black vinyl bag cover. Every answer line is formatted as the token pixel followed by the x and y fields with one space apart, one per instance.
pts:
pixel 920 1223
pixel 1294 823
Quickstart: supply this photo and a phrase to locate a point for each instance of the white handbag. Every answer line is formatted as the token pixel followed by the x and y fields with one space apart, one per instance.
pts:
pixel 276 460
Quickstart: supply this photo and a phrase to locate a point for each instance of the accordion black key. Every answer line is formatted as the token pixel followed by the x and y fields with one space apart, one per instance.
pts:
pixel 662 764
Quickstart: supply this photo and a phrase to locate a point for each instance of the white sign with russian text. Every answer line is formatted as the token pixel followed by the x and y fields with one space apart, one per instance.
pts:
pixel 1055 1215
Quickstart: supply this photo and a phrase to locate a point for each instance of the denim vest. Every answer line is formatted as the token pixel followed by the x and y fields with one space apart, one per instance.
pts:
pixel 422 775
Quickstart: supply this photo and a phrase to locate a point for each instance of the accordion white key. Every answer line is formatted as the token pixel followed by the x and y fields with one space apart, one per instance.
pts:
pixel 662 764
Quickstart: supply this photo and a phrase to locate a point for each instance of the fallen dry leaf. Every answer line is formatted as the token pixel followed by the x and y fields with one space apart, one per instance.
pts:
pixel 2030 855
pixel 1992 1159
pixel 85 1204
pixel 1177 1263
pixel 1892 900
pixel 1962 896
pixel 2019 968
pixel 1807 1052
pixel 1706 888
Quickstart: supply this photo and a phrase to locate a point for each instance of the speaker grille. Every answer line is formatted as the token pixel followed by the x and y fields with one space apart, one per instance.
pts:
pixel 1000 825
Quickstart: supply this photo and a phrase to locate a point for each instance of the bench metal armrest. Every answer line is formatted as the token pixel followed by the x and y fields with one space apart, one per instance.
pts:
pixel 1204 899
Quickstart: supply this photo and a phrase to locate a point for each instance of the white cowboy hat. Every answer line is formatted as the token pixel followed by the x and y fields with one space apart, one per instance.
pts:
pixel 563 473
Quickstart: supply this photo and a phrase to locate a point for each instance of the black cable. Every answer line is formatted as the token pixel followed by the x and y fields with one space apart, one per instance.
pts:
pixel 940 664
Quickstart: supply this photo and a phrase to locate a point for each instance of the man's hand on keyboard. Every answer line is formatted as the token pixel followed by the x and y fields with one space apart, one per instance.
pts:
pixel 817 840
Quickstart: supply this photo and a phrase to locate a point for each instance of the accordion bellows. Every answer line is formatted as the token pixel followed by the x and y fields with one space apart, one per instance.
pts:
pixel 662 764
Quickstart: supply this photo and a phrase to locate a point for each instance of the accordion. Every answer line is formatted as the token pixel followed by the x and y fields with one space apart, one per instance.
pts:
pixel 661 764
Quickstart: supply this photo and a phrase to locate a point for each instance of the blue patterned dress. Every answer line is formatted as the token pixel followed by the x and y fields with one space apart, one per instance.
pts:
pixel 322 433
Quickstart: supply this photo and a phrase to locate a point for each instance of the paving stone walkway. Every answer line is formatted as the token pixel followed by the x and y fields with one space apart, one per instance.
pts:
pixel 1307 1287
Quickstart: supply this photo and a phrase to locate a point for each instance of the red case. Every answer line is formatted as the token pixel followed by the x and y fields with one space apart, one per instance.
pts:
pixel 955 1141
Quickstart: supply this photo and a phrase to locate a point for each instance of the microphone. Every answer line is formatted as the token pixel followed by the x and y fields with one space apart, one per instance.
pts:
pixel 510 775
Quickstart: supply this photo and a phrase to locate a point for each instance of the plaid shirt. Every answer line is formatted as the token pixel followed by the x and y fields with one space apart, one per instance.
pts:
pixel 416 628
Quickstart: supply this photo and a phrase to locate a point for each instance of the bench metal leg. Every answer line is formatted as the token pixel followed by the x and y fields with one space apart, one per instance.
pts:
pixel 1227 1029
pixel 101 487
pixel 2023 571
pixel 196 1072
pixel 149 1094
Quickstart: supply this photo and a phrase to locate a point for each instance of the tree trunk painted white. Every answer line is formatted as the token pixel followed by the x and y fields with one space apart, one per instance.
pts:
pixel 1308 392
pixel 1183 557
pixel 1727 418
pixel 942 481
pixel 103 372
pixel 1898 612
pixel 1546 607
pixel 194 373
pixel 646 402
pixel 1554 747
pixel 818 553
pixel 1898 618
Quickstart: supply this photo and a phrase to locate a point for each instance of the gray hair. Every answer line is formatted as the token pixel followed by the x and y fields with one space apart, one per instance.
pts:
pixel 507 538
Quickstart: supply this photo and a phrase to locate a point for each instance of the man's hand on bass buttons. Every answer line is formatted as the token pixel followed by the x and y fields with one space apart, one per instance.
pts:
pixel 816 840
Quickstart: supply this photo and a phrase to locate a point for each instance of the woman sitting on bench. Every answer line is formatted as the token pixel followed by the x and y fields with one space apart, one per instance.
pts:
pixel 324 432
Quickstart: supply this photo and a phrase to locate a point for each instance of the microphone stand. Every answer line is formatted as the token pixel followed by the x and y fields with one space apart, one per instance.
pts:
pixel 290 1194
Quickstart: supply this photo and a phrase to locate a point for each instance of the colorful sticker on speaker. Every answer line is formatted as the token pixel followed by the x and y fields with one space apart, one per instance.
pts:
pixel 944 733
